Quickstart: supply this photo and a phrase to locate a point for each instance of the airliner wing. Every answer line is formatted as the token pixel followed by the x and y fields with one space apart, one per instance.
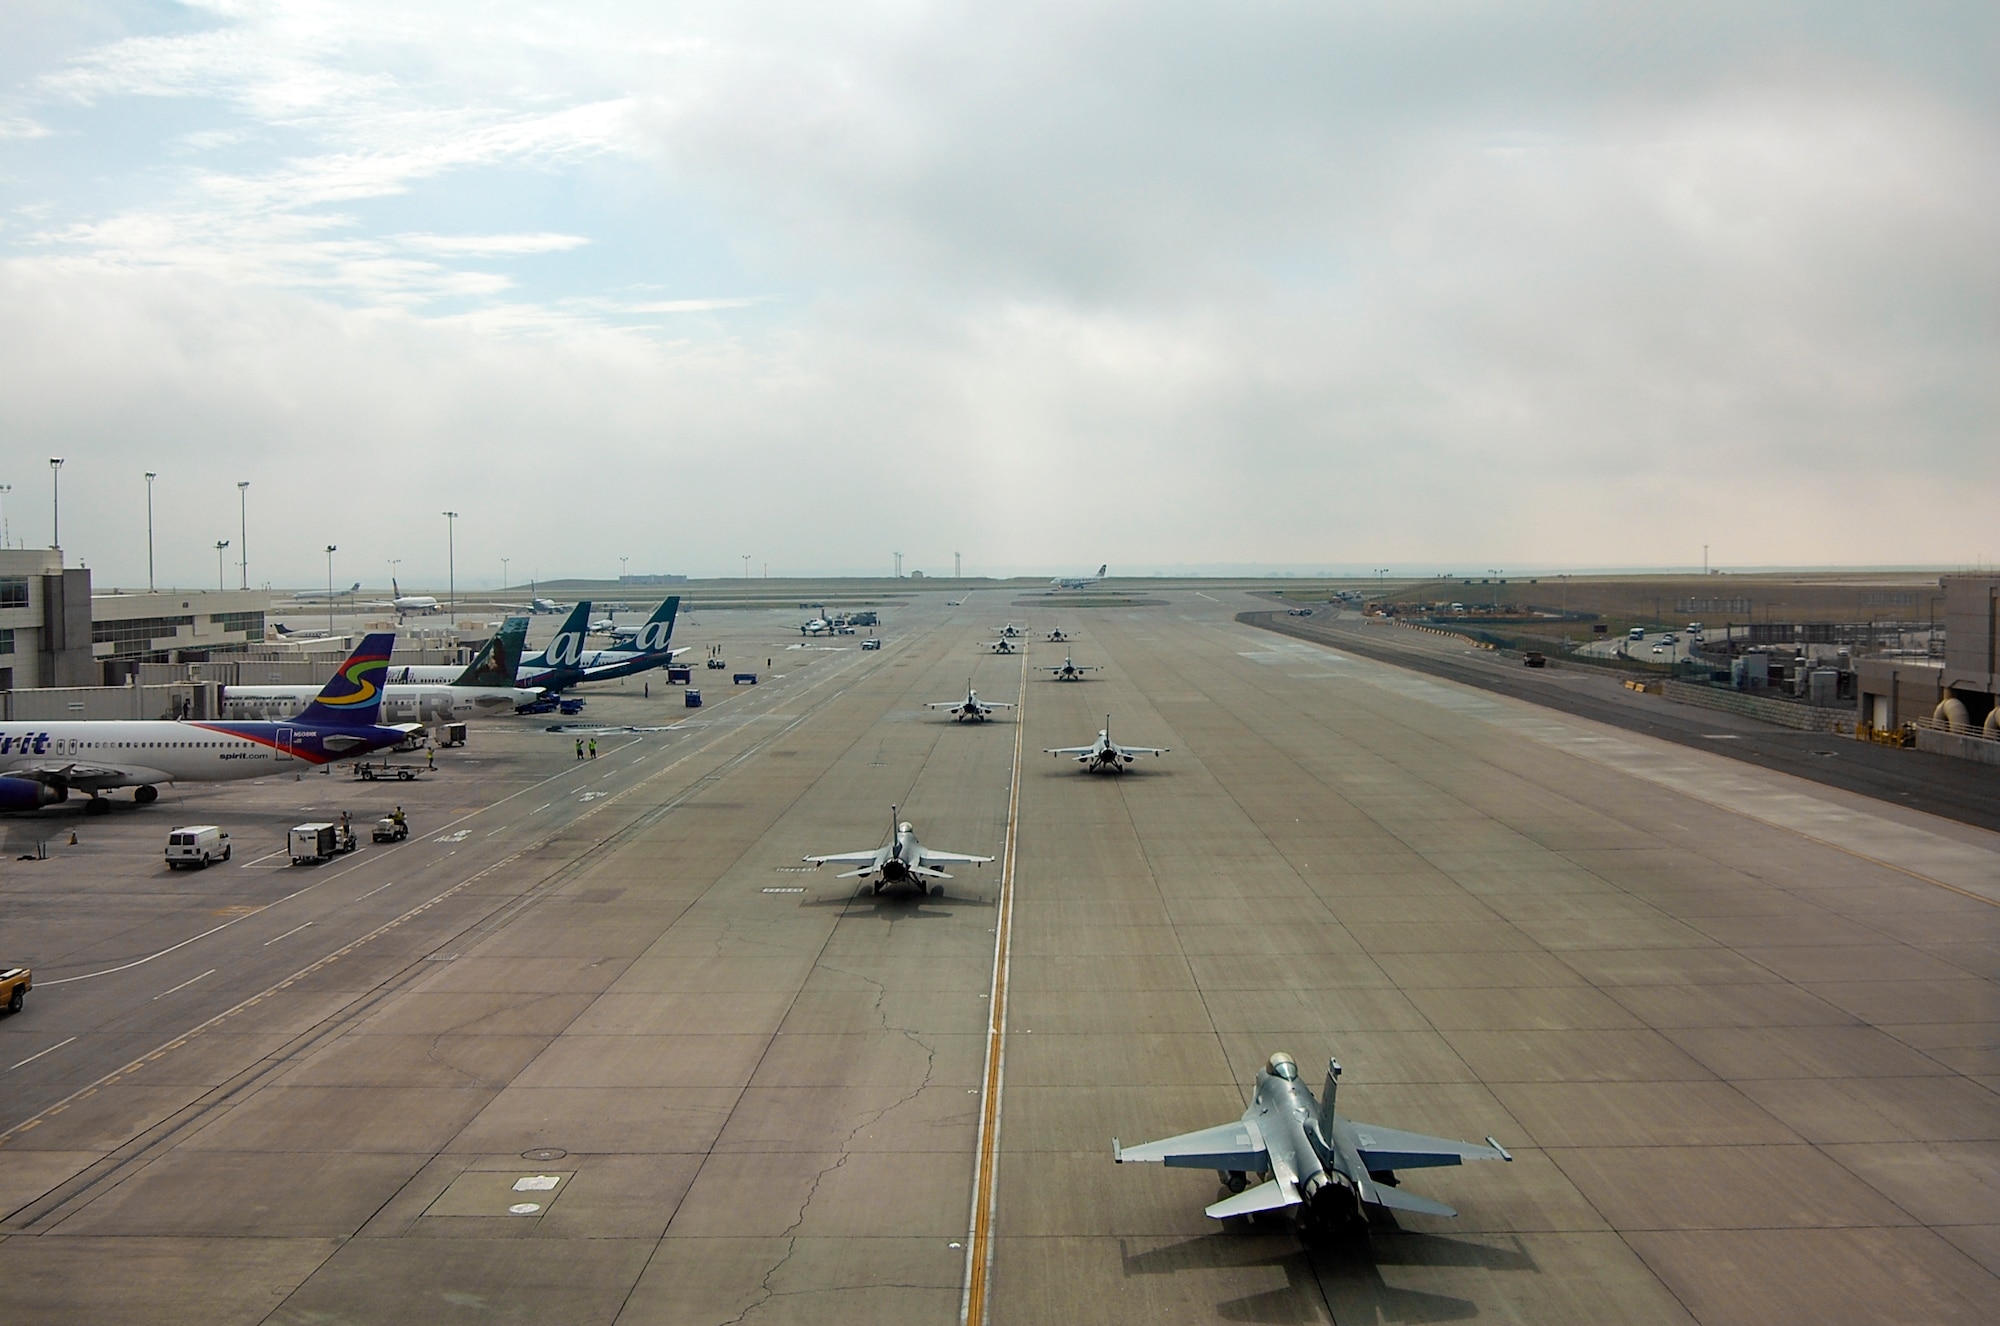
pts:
pixel 86 776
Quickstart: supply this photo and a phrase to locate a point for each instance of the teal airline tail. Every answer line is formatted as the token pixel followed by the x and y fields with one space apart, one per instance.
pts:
pixel 499 658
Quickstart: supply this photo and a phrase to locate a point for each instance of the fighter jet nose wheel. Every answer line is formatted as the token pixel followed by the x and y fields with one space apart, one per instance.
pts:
pixel 146 795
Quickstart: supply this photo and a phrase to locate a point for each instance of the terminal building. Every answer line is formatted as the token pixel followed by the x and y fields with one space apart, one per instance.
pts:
pixel 55 632
pixel 1953 702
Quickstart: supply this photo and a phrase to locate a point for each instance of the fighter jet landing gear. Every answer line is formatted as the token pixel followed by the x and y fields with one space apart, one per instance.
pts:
pixel 145 795
pixel 1233 1179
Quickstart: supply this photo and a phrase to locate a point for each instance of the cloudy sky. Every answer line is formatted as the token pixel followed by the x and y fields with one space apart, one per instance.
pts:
pixel 1458 285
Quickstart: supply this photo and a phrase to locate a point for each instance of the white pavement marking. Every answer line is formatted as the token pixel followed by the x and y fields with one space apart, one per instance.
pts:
pixel 31 1058
pixel 287 935
pixel 185 984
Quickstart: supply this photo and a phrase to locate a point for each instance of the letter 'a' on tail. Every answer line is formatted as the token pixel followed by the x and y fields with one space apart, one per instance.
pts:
pixel 354 697
pixel 657 632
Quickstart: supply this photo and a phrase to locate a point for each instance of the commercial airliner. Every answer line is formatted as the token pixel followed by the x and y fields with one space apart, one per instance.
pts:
pixel 42 763
pixel 483 690
pixel 566 661
pixel 1080 582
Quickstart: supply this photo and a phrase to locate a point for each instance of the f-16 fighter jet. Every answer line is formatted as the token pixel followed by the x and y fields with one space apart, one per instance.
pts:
pixel 1328 1166
pixel 1068 671
pixel 971 709
pixel 904 860
pixel 1009 631
pixel 1104 753
pixel 1003 646
pixel 1058 634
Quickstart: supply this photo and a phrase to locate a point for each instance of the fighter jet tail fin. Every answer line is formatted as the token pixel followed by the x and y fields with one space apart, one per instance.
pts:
pixel 1398 1200
pixel 1272 1196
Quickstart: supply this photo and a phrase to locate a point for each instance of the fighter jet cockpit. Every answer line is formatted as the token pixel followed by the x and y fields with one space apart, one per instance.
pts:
pixel 1283 1065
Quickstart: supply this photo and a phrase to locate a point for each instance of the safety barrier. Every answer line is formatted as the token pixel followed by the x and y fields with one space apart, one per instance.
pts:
pixel 1784 713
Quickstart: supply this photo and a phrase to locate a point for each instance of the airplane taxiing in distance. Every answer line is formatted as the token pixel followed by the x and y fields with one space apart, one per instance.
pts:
pixel 1058 635
pixel 971 709
pixel 1080 582
pixel 1328 1167
pixel 41 763
pixel 903 861
pixel 1003 646
pixel 1105 753
pixel 408 603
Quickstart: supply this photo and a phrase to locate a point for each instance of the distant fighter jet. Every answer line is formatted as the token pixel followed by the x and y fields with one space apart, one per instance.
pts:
pixel 971 709
pixel 1328 1166
pixel 904 860
pixel 1104 753
pixel 1058 634
pixel 1080 582
pixel 1009 631
pixel 1069 671
pixel 1003 646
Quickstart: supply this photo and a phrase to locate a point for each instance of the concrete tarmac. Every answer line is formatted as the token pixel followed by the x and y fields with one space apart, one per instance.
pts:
pixel 595 1048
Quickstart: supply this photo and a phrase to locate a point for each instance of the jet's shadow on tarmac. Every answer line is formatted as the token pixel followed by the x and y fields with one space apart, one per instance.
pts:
pixel 1345 1273
pixel 900 904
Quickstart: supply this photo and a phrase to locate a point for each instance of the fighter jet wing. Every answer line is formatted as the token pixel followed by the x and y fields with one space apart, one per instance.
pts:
pixel 1391 1149
pixel 930 856
pixel 1237 1146
pixel 1143 750
pixel 1069 750
pixel 946 704
pixel 846 858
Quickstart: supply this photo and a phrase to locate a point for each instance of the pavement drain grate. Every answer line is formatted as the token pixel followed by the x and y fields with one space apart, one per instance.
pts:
pixel 783 889
pixel 544 1153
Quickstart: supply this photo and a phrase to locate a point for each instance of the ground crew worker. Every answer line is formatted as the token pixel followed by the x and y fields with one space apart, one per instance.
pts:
pixel 593 748
pixel 579 749
pixel 398 816
pixel 431 756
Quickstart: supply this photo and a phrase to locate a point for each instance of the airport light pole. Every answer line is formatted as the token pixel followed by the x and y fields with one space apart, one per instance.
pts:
pixel 150 476
pixel 6 534
pixel 1494 572
pixel 503 572
pixel 621 569
pixel 220 544
pixel 746 567
pixel 243 529
pixel 331 549
pixel 55 480
pixel 451 561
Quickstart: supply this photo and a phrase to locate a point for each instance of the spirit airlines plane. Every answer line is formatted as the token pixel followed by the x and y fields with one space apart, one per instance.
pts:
pixel 42 763
pixel 482 690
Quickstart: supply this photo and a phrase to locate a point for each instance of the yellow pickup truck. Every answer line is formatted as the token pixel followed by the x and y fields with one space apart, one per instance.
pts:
pixel 15 982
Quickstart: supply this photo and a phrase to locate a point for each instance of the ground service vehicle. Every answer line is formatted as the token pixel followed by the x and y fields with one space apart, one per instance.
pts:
pixel 1636 633
pixel 15 982
pixel 1533 659
pixel 745 679
pixel 389 829
pixel 871 644
pixel 313 843
pixel 679 676
pixel 693 698
pixel 449 734
pixel 196 846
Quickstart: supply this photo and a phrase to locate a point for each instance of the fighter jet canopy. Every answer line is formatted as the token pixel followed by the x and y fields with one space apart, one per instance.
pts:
pixel 1283 1065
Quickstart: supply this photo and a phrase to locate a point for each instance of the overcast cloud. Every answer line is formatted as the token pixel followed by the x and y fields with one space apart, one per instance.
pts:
pixel 1456 285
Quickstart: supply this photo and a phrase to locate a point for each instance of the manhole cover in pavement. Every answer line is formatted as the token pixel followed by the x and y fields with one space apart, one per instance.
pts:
pixel 544 1153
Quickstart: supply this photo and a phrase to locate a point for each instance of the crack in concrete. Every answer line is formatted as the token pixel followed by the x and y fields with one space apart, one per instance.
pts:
pixel 765 1292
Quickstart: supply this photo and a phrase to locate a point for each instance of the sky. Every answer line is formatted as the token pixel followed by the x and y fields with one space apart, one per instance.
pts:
pixel 654 287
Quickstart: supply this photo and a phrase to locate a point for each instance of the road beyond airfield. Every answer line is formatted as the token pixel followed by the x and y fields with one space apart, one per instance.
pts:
pixel 590 1048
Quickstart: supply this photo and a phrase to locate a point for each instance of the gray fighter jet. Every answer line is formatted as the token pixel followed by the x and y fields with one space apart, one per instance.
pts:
pixel 1057 634
pixel 904 860
pixel 971 709
pixel 1004 645
pixel 1009 630
pixel 1327 1166
pixel 1104 753
pixel 1068 671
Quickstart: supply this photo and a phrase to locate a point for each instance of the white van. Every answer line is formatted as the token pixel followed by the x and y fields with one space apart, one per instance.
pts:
pixel 196 845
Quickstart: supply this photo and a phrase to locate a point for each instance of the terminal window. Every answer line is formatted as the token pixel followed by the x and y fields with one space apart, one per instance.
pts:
pixel 6 642
pixel 13 591
pixel 252 622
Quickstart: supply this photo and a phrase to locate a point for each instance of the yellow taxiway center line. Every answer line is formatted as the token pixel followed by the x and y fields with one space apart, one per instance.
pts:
pixel 979 1243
